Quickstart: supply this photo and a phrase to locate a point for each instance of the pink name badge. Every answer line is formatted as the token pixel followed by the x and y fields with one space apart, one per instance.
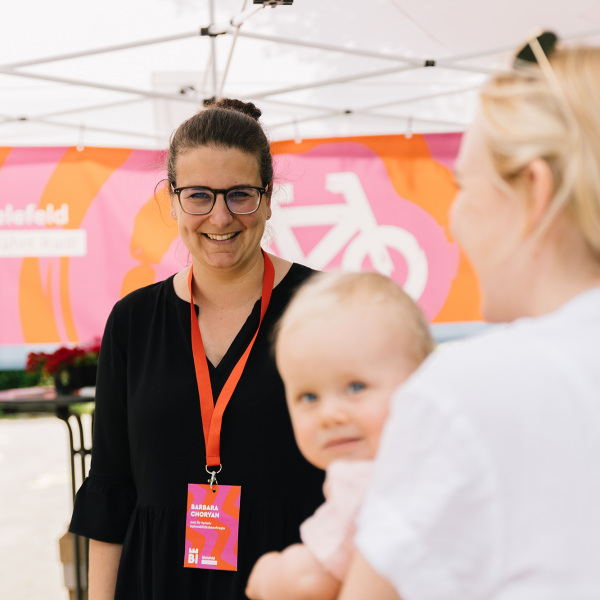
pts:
pixel 211 528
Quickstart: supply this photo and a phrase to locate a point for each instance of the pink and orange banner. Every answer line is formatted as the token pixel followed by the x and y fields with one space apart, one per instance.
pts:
pixel 80 229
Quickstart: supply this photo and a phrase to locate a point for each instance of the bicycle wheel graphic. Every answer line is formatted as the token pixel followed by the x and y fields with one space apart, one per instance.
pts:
pixel 375 244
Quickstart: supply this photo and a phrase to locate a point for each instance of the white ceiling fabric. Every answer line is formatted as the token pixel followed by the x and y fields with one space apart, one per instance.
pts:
pixel 58 88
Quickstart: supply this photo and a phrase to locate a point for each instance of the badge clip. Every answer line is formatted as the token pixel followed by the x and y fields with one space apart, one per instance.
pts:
pixel 213 476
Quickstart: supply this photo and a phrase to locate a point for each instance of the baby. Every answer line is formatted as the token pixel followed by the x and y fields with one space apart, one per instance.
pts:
pixel 345 342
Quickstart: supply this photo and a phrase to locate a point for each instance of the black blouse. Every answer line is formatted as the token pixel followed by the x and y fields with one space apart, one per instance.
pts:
pixel 148 445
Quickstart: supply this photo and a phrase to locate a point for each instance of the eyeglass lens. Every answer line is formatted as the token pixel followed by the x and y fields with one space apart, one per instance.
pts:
pixel 199 201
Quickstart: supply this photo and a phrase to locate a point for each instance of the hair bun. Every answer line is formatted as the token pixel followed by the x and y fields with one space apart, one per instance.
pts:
pixel 247 108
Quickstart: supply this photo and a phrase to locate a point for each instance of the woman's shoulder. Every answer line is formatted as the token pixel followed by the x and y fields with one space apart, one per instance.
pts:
pixel 296 275
pixel 146 295
pixel 494 371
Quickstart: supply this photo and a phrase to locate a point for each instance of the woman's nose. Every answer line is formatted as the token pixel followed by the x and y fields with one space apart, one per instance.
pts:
pixel 220 214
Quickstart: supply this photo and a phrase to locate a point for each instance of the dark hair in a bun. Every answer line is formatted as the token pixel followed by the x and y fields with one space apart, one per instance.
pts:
pixel 224 123
pixel 248 108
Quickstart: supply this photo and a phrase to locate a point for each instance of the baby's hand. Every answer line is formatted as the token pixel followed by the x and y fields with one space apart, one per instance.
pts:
pixel 260 576
pixel 293 574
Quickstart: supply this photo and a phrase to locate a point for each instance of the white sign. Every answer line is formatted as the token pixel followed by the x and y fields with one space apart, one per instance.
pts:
pixel 43 242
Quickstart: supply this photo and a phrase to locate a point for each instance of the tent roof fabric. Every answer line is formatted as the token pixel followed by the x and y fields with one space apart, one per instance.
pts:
pixel 126 73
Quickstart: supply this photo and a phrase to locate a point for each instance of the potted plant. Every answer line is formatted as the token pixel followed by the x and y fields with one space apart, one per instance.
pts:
pixel 71 367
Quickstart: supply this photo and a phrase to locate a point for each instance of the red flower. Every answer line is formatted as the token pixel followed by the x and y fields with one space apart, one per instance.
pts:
pixel 62 358
pixel 35 361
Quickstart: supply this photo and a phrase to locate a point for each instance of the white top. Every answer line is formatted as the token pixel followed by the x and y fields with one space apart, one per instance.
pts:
pixel 329 533
pixel 487 482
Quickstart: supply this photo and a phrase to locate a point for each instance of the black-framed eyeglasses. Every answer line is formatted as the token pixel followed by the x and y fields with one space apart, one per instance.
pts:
pixel 546 41
pixel 199 200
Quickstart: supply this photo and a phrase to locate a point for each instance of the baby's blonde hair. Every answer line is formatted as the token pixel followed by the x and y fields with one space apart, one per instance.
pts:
pixel 323 293
pixel 528 113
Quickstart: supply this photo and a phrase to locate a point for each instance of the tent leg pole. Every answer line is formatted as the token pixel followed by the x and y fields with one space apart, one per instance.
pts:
pixel 213 51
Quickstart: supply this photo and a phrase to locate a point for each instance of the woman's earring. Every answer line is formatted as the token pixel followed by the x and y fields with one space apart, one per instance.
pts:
pixel 173 215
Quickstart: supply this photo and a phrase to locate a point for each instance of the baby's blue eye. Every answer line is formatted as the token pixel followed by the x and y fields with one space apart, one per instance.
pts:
pixel 308 398
pixel 355 387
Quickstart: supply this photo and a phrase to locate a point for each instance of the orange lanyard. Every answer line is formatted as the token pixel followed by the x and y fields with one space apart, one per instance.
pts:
pixel 212 414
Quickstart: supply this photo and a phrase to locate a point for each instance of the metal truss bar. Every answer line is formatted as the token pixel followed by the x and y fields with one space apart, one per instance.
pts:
pixel 244 15
pixel 338 113
pixel 334 81
pixel 79 125
pixel 420 98
pixel 99 86
pixel 213 50
pixel 480 70
pixel 95 51
pixel 282 104
pixel 329 47
pixel 81 109
pixel 412 118
pixel 410 60
pixel 237 23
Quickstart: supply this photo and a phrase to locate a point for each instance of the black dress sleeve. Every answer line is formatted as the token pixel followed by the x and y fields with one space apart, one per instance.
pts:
pixel 105 501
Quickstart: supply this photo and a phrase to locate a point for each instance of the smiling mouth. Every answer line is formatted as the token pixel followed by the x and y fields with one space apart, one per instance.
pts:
pixel 220 238
pixel 341 442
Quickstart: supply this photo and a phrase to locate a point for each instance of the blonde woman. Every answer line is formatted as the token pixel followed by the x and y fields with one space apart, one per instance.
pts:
pixel 487 482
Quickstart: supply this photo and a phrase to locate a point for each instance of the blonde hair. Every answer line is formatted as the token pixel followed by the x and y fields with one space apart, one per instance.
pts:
pixel 528 114
pixel 323 294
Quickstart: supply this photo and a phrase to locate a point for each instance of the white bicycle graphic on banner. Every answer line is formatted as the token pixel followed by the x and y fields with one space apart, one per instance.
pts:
pixel 349 219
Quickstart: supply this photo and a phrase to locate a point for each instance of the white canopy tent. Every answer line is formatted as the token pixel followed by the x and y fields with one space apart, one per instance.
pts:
pixel 126 72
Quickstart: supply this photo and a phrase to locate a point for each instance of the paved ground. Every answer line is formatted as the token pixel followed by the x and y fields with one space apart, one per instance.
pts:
pixel 35 507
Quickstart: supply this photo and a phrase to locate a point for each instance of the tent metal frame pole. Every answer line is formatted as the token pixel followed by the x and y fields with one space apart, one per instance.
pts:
pixel 87 127
pixel 233 42
pixel 186 35
pixel 100 86
pixel 213 49
pixel 295 122
pixel 235 32
pixel 367 53
pixel 333 81
pixel 70 111
pixel 244 15
pixel 366 110
pixel 413 119
pixel 81 109
pixel 182 98
pixel 227 65
pixel 236 21
pixel 411 60
pixel 338 113
pixel 466 68
pixel 283 103
pixel 115 48
pixel 473 88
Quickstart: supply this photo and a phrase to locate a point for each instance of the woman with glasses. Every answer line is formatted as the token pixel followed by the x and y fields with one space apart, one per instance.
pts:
pixel 188 397
pixel 487 483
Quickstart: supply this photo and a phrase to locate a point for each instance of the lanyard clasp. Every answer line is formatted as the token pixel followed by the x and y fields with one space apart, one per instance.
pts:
pixel 213 475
